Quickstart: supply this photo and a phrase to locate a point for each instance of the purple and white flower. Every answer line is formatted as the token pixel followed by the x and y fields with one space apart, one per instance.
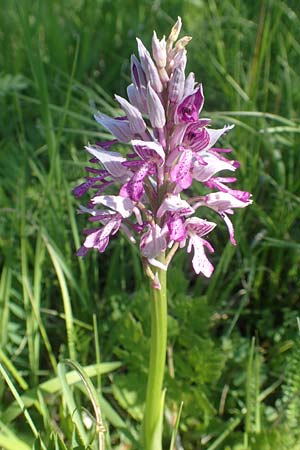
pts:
pixel 168 147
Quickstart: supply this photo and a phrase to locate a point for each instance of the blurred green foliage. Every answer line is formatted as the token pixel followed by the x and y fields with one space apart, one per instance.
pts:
pixel 59 59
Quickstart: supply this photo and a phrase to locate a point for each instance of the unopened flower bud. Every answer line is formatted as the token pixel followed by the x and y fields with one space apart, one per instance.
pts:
pixel 155 108
pixel 183 42
pixel 134 116
pixel 159 51
pixel 137 74
pixel 176 86
pixel 189 84
pixel 180 59
pixel 149 67
pixel 174 33
pixel 136 99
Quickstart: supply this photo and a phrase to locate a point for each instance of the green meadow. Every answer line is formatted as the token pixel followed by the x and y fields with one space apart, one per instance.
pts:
pixel 74 333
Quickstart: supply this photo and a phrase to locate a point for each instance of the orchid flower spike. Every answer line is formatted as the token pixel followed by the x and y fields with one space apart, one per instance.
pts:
pixel 168 147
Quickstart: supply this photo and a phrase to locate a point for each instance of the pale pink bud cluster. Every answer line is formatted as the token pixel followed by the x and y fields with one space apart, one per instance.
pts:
pixel 169 147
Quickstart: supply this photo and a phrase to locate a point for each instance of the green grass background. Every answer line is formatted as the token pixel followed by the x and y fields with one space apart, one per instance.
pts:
pixel 234 355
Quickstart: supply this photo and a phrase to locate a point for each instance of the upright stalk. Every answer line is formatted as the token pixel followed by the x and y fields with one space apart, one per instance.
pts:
pixel 154 408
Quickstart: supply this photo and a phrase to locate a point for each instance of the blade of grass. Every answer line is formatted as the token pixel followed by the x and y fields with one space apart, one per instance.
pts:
pixel 27 292
pixel 93 396
pixel 231 426
pixel 9 440
pixel 13 370
pixel 249 395
pixel 5 288
pixel 68 397
pixel 20 402
pixel 53 386
pixel 97 350
pixel 65 297
pixel 175 429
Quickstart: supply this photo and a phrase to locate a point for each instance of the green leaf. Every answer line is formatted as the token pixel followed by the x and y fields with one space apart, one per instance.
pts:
pixel 53 386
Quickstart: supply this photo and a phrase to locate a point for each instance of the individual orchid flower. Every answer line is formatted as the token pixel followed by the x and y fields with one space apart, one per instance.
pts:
pixel 99 238
pixel 196 229
pixel 190 107
pixel 224 203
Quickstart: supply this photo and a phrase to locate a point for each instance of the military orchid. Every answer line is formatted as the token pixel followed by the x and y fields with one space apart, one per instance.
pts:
pixel 167 148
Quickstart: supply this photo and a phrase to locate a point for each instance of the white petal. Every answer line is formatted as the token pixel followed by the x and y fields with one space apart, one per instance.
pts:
pixel 112 161
pixel 201 263
pixel 83 210
pixel 119 128
pixel 92 239
pixel 199 227
pixel 229 227
pixel 154 262
pixel 134 116
pixel 203 172
pixel 222 201
pixel 153 242
pixel 214 135
pixel 122 205
pixel 174 203
pixel 150 145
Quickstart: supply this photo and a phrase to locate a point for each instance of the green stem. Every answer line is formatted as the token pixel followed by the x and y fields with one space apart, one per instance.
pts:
pixel 154 408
